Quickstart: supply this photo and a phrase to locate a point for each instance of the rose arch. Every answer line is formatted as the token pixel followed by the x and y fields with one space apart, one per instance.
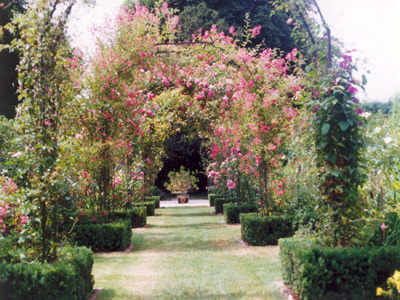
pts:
pixel 142 86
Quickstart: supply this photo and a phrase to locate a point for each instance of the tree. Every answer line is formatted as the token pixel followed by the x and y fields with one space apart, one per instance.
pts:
pixel 8 60
pixel 275 32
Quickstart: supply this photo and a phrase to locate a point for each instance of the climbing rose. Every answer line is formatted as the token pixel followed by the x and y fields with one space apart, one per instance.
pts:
pixel 230 184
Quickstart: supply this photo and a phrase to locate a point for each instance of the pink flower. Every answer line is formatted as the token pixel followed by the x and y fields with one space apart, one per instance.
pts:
pixel 47 123
pixel 289 21
pixel 351 89
pixel 230 184
pixel 79 136
pixel 232 30
pixel 17 154
pixel 383 227
pixel 256 31
pixel 148 160
pixel 105 212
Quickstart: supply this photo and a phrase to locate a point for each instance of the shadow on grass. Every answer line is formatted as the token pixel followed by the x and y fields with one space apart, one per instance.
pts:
pixel 199 295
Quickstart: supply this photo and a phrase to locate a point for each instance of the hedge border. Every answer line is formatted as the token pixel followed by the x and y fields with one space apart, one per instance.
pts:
pixel 315 272
pixel 113 236
pixel 137 215
pixel 232 211
pixel 69 278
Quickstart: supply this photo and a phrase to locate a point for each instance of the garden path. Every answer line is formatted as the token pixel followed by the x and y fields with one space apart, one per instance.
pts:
pixel 188 253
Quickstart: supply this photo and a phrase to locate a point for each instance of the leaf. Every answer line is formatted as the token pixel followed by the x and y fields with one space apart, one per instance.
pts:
pixel 337 173
pixel 364 79
pixel 344 125
pixel 325 128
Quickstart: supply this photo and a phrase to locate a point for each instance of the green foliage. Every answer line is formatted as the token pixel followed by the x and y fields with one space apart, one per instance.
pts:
pixel 43 49
pixel 219 205
pixel 112 236
pixel 393 292
pixel 316 272
pixel 138 216
pixel 233 210
pixel 377 106
pixel 198 16
pixel 182 182
pixel 211 198
pixel 150 206
pixel 156 200
pixel 260 231
pixel 69 278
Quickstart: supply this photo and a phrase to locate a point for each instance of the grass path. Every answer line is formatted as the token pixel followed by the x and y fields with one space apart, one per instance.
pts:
pixel 186 253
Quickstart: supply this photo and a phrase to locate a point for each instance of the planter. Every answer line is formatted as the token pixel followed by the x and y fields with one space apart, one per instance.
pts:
pixel 183 199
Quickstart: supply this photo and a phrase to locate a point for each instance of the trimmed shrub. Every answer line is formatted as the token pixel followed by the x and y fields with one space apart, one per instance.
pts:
pixel 150 206
pixel 69 278
pixel 260 231
pixel 112 236
pixel 316 272
pixel 137 215
pixel 233 210
pixel 219 205
pixel 156 200
pixel 211 198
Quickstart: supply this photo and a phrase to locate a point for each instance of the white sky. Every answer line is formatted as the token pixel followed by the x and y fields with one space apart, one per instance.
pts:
pixel 370 26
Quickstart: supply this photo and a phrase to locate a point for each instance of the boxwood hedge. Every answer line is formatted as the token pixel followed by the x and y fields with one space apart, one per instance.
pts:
pixel 114 236
pixel 260 231
pixel 156 200
pixel 233 210
pixel 322 273
pixel 69 278
pixel 150 206
pixel 137 215
pixel 219 205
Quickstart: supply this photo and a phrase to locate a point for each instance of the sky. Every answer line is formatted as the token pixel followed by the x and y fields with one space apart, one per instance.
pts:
pixel 371 27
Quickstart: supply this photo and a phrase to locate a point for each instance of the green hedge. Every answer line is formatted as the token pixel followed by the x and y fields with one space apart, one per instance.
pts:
pixel 233 210
pixel 137 215
pixel 150 206
pixel 219 205
pixel 260 231
pixel 156 200
pixel 114 236
pixel 212 197
pixel 316 272
pixel 69 278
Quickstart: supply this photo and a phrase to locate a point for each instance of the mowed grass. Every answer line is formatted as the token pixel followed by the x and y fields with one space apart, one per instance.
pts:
pixel 187 253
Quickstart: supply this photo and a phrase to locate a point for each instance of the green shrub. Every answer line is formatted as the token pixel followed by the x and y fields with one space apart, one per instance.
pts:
pixel 156 200
pixel 260 231
pixel 233 210
pixel 69 278
pixel 219 205
pixel 150 206
pixel 137 215
pixel 316 272
pixel 112 236
pixel 155 191
pixel 393 284
pixel 211 198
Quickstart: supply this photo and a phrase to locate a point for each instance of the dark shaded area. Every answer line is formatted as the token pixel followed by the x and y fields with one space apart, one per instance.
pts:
pixel 8 61
pixel 181 151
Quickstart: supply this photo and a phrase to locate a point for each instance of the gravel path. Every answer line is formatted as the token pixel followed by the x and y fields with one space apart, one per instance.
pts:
pixel 192 202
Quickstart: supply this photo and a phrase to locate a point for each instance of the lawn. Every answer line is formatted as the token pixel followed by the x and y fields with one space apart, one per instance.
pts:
pixel 187 253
